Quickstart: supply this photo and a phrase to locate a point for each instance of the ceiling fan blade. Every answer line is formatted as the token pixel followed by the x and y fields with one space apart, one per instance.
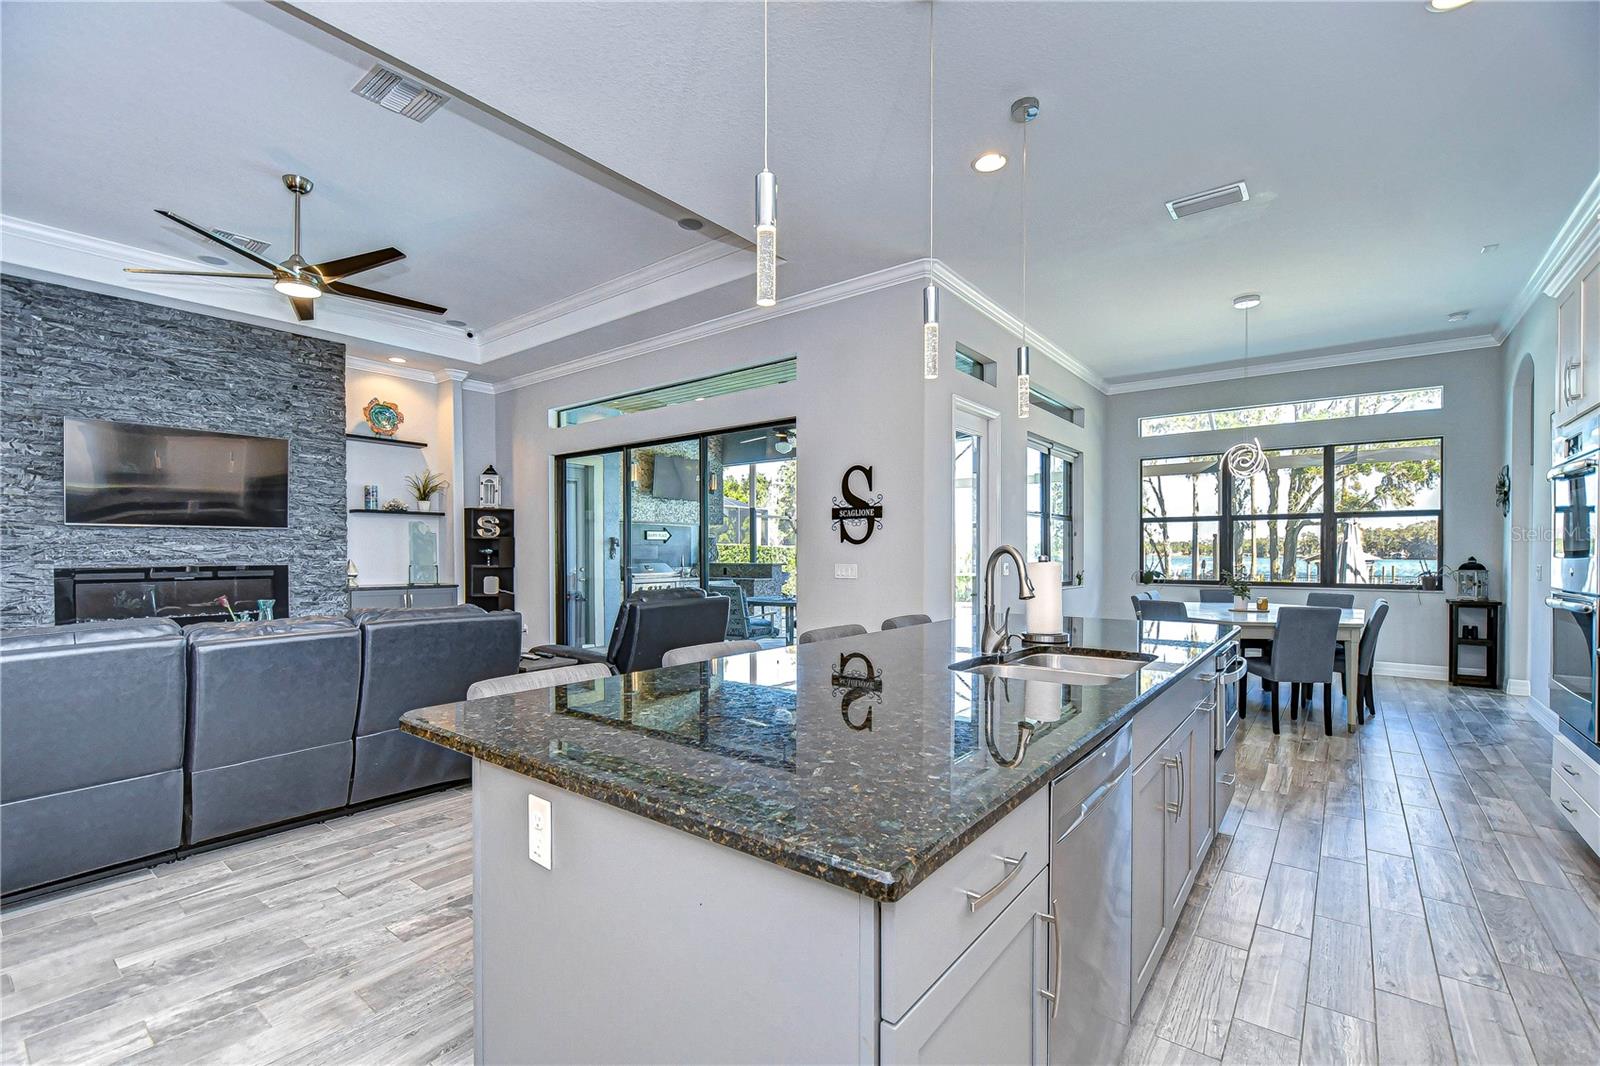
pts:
pixel 381 297
pixel 208 235
pixel 334 269
pixel 197 273
pixel 305 310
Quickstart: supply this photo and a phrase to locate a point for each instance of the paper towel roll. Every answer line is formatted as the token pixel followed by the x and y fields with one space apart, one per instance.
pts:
pixel 1041 701
pixel 1044 610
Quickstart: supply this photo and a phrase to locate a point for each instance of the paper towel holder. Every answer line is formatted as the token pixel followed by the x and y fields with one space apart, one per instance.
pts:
pixel 1052 639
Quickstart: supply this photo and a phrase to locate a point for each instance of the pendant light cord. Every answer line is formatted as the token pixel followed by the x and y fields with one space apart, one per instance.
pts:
pixel 1025 234
pixel 764 85
pixel 930 135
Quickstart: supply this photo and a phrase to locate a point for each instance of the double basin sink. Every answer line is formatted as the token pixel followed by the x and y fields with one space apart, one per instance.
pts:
pixel 1055 667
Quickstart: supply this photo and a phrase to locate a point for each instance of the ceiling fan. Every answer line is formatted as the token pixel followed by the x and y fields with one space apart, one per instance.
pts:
pixel 302 282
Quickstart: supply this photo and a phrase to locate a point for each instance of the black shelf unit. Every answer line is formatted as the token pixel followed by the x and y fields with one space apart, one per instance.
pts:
pixel 1488 626
pixel 393 442
pixel 500 563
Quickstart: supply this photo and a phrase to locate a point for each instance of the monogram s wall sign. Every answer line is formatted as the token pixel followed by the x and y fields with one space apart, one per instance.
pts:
pixel 857 517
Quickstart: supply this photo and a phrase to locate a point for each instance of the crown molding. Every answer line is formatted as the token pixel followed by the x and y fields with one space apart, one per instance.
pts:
pixel 1576 240
pixel 374 366
pixel 665 281
pixel 448 374
pixel 1321 361
pixel 473 385
pixel 33 249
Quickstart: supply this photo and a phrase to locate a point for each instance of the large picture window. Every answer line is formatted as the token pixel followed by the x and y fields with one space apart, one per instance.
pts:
pixel 1346 514
pixel 1050 468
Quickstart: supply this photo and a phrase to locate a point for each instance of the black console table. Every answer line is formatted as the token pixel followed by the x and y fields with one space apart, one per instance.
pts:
pixel 1483 617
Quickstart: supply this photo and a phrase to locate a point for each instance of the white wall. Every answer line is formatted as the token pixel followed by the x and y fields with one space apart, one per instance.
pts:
pixel 1526 547
pixel 859 398
pixel 1414 638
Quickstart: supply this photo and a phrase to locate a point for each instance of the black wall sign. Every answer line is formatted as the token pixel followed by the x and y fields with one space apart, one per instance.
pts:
pixel 856 517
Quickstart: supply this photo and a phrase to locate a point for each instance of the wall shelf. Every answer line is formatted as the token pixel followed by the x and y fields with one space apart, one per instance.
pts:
pixel 398 514
pixel 392 442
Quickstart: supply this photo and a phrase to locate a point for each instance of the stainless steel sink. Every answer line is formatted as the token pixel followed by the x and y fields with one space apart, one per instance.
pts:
pixel 1080 668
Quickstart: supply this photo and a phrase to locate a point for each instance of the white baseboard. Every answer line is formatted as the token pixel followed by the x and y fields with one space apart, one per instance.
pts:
pixel 1518 686
pixel 1418 671
pixel 1543 715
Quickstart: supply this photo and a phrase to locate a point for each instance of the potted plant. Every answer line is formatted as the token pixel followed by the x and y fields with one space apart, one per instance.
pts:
pixel 1149 576
pixel 1240 588
pixel 424 487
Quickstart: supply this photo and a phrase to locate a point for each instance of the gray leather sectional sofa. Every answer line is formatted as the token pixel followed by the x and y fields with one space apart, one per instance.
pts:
pixel 121 741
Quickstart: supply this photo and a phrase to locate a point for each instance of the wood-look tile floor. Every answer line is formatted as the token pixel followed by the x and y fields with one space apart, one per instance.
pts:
pixel 349 941
pixel 1404 894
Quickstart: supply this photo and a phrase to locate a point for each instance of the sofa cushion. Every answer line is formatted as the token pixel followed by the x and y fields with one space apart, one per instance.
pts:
pixel 79 633
pixel 372 615
pixel 220 632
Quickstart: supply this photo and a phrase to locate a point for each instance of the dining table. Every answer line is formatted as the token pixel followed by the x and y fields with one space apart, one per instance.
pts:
pixel 1256 624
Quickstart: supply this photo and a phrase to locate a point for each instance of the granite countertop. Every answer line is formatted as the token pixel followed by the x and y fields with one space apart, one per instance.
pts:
pixel 862 762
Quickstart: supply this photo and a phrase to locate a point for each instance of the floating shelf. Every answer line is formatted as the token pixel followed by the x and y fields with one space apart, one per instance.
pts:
pixel 399 514
pixel 392 442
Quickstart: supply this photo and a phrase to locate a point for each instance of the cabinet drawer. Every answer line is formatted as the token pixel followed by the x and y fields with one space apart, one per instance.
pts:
pixel 1227 783
pixel 1572 768
pixel 924 932
pixel 1585 821
pixel 1153 724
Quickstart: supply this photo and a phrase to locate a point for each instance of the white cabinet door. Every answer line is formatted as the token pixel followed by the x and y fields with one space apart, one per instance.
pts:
pixel 1151 791
pixel 1570 370
pixel 987 1007
pixel 1179 756
pixel 1198 788
pixel 1589 332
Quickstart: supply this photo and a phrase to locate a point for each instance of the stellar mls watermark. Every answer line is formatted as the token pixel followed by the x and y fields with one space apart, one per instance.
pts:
pixel 1532 534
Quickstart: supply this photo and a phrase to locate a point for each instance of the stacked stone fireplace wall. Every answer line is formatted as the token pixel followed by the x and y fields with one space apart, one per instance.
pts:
pixel 67 352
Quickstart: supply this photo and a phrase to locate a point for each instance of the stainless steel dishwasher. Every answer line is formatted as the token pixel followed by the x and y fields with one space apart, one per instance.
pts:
pixel 1091 906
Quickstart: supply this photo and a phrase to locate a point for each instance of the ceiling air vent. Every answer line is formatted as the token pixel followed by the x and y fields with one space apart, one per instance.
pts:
pixel 1208 200
pixel 391 91
pixel 252 244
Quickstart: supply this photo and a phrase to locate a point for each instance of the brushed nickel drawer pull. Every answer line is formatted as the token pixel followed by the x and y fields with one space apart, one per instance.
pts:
pixel 1229 779
pixel 1053 993
pixel 978 899
pixel 1568 768
pixel 1569 808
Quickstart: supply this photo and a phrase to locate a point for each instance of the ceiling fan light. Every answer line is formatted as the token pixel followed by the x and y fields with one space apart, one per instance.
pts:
pixel 297 289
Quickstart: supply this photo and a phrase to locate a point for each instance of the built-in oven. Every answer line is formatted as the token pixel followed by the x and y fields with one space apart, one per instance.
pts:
pixel 1573 665
pixel 1574 488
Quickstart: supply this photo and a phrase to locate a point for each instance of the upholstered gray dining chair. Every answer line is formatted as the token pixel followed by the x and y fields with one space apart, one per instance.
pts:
pixel 902 621
pixel 1303 641
pixel 704 653
pixel 1366 655
pixel 812 636
pixel 1160 610
pixel 1216 595
pixel 1344 600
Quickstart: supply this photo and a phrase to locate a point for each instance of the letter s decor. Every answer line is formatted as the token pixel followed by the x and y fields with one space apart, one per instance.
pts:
pixel 856 517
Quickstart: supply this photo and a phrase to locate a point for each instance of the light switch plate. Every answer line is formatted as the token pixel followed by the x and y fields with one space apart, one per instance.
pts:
pixel 844 571
pixel 539 831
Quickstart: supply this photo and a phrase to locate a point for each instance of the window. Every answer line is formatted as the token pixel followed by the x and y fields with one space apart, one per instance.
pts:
pixel 750 377
pixel 1340 514
pixel 974 365
pixel 1050 468
pixel 1060 408
pixel 1354 406
pixel 1180 504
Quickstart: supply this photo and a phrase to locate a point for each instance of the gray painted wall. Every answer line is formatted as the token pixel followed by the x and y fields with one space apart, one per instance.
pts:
pixel 1414 637
pixel 70 352
pixel 1529 351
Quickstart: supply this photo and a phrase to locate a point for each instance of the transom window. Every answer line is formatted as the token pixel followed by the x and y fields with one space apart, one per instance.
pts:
pixel 750 377
pixel 1340 514
pixel 1277 414
pixel 1050 469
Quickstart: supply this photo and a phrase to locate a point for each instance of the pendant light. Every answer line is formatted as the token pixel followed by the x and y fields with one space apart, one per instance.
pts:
pixel 1246 459
pixel 766 199
pixel 1024 111
pixel 930 292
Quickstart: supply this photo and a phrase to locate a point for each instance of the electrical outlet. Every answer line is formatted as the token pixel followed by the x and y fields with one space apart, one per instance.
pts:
pixel 844 571
pixel 539 831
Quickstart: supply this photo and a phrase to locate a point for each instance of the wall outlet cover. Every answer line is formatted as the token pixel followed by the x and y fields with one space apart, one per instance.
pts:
pixel 844 571
pixel 539 831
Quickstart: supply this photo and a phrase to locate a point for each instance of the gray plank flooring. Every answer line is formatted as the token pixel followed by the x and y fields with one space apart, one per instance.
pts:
pixel 1422 902
pixel 348 941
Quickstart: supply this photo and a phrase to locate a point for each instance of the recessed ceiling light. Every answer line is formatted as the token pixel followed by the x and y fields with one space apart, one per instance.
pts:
pixel 1486 249
pixel 1439 7
pixel 1458 316
pixel 690 224
pixel 989 162
pixel 456 322
pixel 396 359
pixel 214 260
pixel 1246 301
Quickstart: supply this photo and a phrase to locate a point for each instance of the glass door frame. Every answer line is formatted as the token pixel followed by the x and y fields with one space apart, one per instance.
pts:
pixel 984 423
pixel 558 508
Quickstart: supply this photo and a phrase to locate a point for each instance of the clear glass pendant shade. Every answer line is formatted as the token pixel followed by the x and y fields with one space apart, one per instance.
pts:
pixel 1024 382
pixel 766 239
pixel 930 332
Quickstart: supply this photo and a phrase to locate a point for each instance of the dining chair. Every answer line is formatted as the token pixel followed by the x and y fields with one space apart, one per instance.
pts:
pixel 1160 610
pixel 1344 600
pixel 1366 655
pixel 902 621
pixel 536 679
pixel 1216 595
pixel 1303 643
pixel 704 653
pixel 813 636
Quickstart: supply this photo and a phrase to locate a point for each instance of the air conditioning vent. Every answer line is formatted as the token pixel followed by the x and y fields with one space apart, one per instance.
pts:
pixel 1208 200
pixel 393 92
pixel 252 244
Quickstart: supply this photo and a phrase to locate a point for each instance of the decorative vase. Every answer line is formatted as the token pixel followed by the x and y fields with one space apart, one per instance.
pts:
pixel 1241 602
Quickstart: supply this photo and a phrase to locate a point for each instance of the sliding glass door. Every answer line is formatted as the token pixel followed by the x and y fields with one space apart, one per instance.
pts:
pixel 715 512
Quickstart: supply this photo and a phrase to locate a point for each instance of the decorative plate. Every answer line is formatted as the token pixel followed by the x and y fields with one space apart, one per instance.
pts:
pixel 383 416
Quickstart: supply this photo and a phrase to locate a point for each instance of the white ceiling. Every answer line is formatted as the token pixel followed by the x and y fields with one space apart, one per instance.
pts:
pixel 1382 145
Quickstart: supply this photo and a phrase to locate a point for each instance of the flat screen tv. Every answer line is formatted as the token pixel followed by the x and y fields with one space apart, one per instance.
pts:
pixel 121 474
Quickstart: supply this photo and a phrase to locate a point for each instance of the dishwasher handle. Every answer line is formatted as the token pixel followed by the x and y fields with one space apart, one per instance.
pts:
pixel 1097 797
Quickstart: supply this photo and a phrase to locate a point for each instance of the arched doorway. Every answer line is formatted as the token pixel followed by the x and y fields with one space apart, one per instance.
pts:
pixel 1526 548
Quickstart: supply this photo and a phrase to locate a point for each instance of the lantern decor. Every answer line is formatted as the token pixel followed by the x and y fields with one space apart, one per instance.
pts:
pixel 1472 580
pixel 489 488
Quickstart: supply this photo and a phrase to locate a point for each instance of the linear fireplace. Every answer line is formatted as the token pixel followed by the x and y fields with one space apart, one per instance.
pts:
pixel 185 594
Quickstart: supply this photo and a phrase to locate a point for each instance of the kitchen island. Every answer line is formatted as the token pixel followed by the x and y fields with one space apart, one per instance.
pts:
pixel 837 852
